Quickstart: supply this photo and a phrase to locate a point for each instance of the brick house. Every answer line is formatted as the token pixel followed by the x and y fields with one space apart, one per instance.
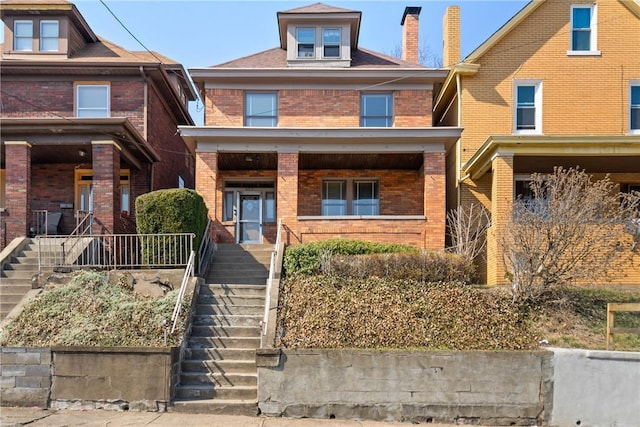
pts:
pixel 557 85
pixel 334 139
pixel 86 124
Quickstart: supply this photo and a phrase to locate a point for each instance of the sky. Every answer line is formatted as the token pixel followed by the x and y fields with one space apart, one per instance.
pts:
pixel 209 32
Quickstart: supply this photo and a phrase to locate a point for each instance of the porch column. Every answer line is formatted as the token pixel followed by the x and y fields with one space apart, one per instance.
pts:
pixel 207 182
pixel 501 204
pixel 434 199
pixel 17 189
pixel 287 196
pixel 106 186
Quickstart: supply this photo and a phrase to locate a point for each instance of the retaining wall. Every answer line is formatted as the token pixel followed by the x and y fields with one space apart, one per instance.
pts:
pixel 25 376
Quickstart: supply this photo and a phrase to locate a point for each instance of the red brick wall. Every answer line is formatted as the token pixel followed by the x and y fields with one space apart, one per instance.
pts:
pixel 51 185
pixel 17 189
pixel 106 179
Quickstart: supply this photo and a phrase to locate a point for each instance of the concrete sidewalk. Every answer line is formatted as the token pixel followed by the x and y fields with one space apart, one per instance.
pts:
pixel 68 418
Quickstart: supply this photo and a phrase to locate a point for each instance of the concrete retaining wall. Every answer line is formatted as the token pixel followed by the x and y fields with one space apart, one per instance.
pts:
pixel 25 376
pixel 495 388
pixel 596 388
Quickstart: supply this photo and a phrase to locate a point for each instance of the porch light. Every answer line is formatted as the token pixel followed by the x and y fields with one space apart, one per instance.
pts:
pixel 82 152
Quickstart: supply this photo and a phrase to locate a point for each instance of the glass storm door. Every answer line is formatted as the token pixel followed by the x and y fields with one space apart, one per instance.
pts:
pixel 250 219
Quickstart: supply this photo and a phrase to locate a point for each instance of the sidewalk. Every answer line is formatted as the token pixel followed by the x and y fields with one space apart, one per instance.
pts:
pixel 69 418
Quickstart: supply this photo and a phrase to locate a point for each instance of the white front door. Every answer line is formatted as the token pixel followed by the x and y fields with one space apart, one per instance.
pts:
pixel 249 225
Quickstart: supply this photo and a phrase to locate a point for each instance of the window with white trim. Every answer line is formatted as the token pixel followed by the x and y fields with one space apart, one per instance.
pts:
pixel 92 100
pixel 634 108
pixel 84 190
pixel 261 109
pixel 23 36
pixel 306 39
pixel 584 34
pixel 341 197
pixel 376 110
pixel 331 40
pixel 528 107
pixel 49 36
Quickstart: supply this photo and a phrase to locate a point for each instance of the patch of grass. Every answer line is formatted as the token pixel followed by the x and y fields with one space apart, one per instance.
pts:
pixel 90 311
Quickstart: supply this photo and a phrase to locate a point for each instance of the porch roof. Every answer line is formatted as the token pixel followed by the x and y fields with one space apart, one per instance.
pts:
pixel 321 140
pixel 624 147
pixel 62 136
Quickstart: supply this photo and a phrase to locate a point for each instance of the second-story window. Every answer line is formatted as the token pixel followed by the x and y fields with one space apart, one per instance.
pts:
pixel 583 29
pixel 261 110
pixel 306 38
pixel 92 101
pixel 376 110
pixel 49 35
pixel 23 36
pixel 528 110
pixel 331 42
pixel 634 108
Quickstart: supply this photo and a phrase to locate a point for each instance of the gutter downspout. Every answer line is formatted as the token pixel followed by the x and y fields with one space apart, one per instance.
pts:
pixel 459 149
pixel 145 111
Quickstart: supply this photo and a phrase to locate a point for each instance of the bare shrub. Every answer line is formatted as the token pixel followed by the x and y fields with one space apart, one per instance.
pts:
pixel 571 230
pixel 467 226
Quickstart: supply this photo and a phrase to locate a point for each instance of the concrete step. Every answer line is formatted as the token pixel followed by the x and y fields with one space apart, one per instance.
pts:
pixel 6 307
pixel 225 331
pixel 205 391
pixel 11 298
pixel 220 354
pixel 219 380
pixel 19 274
pixel 21 261
pixel 224 342
pixel 226 366
pixel 224 290
pixel 239 267
pixel 215 406
pixel 216 276
pixel 15 286
pixel 237 281
pixel 231 299
pixel 232 310
pixel 226 320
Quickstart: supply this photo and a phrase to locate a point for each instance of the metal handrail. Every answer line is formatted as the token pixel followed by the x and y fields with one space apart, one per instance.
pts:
pixel 188 272
pixel 205 244
pixel 40 219
pixel 84 224
pixel 272 267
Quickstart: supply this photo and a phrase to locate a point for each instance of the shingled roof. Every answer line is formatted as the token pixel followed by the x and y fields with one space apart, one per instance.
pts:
pixel 318 8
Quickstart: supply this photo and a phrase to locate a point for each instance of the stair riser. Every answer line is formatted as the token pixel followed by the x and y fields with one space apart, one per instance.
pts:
pixel 11 299
pixel 19 274
pixel 227 343
pixel 229 331
pixel 220 354
pixel 226 310
pixel 231 300
pixel 15 288
pixel 213 320
pixel 219 380
pixel 217 393
pixel 249 409
pixel 232 291
pixel 219 366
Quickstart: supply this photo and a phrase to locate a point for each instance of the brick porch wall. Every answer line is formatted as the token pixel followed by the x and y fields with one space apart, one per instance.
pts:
pixel 106 179
pixel 17 189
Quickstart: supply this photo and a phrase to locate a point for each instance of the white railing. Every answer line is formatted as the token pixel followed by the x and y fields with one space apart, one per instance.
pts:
pixel 39 221
pixel 188 273
pixel 116 250
pixel 207 245
pixel 84 223
pixel 272 268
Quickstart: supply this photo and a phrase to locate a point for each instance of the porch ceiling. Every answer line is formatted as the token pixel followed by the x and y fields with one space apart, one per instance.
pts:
pixel 269 161
pixel 593 164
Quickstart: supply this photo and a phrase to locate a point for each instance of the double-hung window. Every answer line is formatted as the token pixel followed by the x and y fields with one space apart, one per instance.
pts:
pixel 23 36
pixel 350 197
pixel 261 110
pixel 306 38
pixel 376 110
pixel 528 107
pixel 331 42
pixel 49 36
pixel 634 108
pixel 92 100
pixel 584 34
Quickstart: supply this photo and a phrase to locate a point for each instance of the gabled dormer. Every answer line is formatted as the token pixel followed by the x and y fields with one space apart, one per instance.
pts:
pixel 47 29
pixel 319 35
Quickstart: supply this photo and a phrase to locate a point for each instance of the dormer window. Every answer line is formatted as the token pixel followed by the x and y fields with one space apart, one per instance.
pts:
pixel 331 40
pixel 306 38
pixel 23 36
pixel 49 35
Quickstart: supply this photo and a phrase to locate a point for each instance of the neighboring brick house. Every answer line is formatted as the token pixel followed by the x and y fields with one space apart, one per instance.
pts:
pixel 333 139
pixel 86 124
pixel 557 85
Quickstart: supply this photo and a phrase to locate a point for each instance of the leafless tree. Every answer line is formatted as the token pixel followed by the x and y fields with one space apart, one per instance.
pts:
pixel 571 230
pixel 426 56
pixel 467 226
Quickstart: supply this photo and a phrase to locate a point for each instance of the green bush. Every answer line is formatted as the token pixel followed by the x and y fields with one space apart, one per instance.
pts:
pixel 428 266
pixel 307 258
pixel 177 210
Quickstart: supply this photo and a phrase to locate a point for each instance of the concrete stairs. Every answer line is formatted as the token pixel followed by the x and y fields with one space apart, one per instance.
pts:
pixel 219 373
pixel 17 278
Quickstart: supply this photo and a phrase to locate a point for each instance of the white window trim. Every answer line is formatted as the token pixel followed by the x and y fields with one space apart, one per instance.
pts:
pixel 593 41
pixel 248 117
pixel 364 95
pixel 350 196
pixel 81 85
pixel 632 83
pixel 537 104
pixel 15 38
pixel 339 44
pixel 49 21
pixel 315 43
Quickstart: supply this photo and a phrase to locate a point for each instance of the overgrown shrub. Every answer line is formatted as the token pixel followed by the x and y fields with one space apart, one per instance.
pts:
pixel 332 312
pixel 425 266
pixel 306 259
pixel 177 210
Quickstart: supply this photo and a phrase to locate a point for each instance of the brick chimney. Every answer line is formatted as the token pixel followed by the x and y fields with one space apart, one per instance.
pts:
pixel 410 33
pixel 451 36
